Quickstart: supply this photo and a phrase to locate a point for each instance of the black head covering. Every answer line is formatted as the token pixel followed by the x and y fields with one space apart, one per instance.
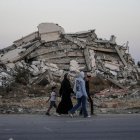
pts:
pixel 65 86
pixel 65 76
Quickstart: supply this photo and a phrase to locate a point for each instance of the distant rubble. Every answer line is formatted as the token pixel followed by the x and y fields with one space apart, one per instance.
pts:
pixel 50 52
pixel 44 56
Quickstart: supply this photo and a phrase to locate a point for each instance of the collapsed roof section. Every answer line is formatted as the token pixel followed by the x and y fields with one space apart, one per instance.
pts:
pixel 50 51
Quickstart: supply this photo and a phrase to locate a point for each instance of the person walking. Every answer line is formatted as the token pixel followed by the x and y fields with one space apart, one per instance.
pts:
pixel 87 78
pixel 81 95
pixel 65 93
pixel 52 99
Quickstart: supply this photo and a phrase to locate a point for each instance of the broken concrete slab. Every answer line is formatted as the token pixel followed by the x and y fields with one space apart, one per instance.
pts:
pixel 50 31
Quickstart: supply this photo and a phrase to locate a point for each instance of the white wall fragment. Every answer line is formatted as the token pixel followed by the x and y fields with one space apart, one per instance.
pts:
pixel 74 66
pixel 113 72
pixel 10 65
pixel 52 67
pixel 112 66
pixel 92 58
pixel 35 68
pixel 35 62
pixel 50 31
pixel 19 64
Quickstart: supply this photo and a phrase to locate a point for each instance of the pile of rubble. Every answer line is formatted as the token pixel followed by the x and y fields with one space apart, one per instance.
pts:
pixel 50 52
pixel 118 100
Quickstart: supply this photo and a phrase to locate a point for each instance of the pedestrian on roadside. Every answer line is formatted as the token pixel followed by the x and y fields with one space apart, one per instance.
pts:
pixel 65 93
pixel 87 78
pixel 81 95
pixel 52 100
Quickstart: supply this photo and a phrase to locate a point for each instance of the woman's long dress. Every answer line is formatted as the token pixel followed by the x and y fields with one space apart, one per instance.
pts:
pixel 65 92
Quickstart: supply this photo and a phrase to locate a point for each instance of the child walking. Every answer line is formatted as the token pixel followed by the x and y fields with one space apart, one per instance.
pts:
pixel 52 99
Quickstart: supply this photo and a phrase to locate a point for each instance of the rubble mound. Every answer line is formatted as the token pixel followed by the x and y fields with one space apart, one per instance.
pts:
pixel 40 59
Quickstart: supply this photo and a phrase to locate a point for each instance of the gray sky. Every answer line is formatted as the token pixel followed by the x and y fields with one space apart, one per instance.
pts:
pixel 119 17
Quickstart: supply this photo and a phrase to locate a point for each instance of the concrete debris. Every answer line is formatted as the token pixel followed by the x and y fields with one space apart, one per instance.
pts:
pixel 117 101
pixel 6 75
pixel 50 52
pixel 74 66
pixel 49 31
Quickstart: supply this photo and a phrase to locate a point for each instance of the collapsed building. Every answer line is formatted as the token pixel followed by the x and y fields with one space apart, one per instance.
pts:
pixel 50 52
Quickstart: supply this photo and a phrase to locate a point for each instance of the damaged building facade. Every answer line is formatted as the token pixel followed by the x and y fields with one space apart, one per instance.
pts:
pixel 50 52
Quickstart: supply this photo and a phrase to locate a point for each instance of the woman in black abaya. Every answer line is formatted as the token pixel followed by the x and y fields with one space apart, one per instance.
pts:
pixel 65 92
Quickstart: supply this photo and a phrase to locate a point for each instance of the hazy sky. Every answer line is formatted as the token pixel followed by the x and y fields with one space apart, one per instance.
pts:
pixel 119 17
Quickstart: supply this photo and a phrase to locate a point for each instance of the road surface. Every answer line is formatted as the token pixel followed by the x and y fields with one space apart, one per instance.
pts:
pixel 41 127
